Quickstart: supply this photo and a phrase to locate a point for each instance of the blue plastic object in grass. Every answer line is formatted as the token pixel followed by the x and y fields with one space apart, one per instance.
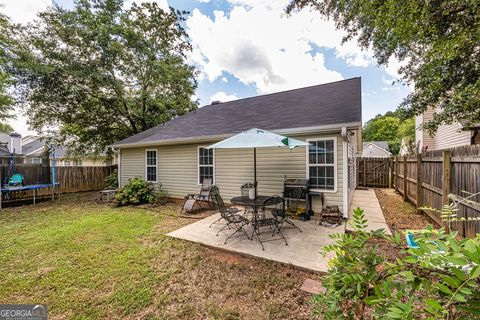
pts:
pixel 411 240
pixel 16 180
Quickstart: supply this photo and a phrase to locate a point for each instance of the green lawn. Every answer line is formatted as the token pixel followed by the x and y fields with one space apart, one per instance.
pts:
pixel 91 261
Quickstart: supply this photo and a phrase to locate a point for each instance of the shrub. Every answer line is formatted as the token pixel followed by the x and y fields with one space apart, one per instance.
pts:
pixel 351 272
pixel 111 181
pixel 437 280
pixel 139 191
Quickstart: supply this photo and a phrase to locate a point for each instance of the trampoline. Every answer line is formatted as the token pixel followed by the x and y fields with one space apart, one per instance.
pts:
pixel 36 177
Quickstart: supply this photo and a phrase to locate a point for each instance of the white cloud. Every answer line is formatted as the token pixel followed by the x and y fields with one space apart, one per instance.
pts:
pixel 23 11
pixel 204 1
pixel 222 97
pixel 224 79
pixel 259 45
pixel 161 3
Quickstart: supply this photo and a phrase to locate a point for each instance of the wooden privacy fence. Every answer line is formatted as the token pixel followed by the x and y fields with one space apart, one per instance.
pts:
pixel 71 179
pixel 373 172
pixel 429 179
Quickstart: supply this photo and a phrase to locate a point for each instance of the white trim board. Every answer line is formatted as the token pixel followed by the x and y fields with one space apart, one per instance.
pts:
pixel 156 165
pixel 198 165
pixel 335 156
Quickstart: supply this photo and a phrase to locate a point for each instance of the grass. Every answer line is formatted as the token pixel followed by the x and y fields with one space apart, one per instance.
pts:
pixel 92 261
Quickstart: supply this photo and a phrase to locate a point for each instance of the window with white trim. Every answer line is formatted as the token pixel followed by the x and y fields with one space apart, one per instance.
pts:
pixel 205 164
pixel 321 164
pixel 151 169
pixel 36 160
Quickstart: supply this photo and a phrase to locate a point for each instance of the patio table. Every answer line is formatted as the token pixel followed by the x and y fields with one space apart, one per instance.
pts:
pixel 257 221
pixel 245 201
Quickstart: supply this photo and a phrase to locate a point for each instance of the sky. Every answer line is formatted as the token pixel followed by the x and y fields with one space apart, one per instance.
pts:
pixel 244 48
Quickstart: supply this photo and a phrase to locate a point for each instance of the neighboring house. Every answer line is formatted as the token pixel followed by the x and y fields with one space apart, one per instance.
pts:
pixel 328 116
pixel 447 136
pixel 34 150
pixel 376 149
pixel 11 146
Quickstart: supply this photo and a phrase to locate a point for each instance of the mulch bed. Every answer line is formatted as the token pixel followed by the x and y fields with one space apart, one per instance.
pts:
pixel 399 214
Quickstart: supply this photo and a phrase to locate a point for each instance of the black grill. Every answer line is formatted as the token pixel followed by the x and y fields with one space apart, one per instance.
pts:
pixel 296 188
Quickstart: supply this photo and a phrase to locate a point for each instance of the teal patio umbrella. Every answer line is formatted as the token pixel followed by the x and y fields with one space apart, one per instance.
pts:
pixel 257 138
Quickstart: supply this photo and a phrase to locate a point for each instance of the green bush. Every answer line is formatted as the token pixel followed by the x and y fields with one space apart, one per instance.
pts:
pixel 437 280
pixel 138 191
pixel 111 181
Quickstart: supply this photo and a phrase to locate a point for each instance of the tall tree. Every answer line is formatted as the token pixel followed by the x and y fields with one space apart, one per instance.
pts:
pixel 392 127
pixel 6 100
pixel 439 41
pixel 100 73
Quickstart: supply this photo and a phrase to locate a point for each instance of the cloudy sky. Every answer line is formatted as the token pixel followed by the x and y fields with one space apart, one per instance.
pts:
pixel 243 48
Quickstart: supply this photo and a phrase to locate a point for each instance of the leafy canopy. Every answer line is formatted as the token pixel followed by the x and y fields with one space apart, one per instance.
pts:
pixel 100 73
pixel 6 100
pixel 393 128
pixel 438 40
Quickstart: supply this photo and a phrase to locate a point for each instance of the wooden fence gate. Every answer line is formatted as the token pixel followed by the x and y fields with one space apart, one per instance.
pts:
pixel 373 172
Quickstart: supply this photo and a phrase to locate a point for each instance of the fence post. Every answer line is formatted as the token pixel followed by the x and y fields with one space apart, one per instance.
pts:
pixel 390 172
pixel 395 174
pixel 364 173
pixel 419 183
pixel 446 177
pixel 405 196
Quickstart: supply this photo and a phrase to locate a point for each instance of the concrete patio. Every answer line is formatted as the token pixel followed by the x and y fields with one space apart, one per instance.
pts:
pixel 303 250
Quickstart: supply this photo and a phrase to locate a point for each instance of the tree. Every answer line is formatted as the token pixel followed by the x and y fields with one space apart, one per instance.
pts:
pixel 6 100
pixel 101 73
pixel 438 40
pixel 5 128
pixel 392 127
pixel 383 128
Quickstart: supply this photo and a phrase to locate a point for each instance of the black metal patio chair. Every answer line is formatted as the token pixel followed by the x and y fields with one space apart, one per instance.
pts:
pixel 194 202
pixel 282 212
pixel 233 219
pixel 259 220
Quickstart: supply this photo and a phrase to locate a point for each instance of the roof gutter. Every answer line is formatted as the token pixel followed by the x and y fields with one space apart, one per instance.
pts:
pixel 287 131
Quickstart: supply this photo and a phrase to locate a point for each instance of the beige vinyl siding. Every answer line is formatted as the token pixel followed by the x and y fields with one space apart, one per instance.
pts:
pixel 178 169
pixel 426 140
pixel 132 164
pixel 449 136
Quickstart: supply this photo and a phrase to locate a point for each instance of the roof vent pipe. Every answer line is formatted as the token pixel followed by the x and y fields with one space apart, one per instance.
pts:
pixel 216 102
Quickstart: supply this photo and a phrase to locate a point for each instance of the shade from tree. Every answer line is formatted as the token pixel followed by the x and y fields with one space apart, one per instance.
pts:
pixel 439 41
pixel 101 72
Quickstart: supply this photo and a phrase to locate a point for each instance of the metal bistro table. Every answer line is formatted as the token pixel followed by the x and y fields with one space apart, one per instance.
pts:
pixel 245 201
pixel 257 221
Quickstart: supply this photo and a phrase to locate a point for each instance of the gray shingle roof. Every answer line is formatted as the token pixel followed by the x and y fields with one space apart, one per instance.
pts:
pixel 325 104
pixel 32 146
pixel 381 144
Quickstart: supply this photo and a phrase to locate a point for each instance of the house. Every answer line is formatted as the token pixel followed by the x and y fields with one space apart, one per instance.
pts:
pixel 328 116
pixel 11 148
pixel 34 149
pixel 447 136
pixel 376 149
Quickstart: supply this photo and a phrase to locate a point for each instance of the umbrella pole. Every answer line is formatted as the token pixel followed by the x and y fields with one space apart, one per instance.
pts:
pixel 255 170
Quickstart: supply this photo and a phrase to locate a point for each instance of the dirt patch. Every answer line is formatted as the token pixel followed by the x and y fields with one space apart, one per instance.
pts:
pixel 399 214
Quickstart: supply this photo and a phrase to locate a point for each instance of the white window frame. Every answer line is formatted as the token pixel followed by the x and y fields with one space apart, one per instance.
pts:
pixel 335 155
pixel 198 164
pixel 147 165
pixel 36 160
